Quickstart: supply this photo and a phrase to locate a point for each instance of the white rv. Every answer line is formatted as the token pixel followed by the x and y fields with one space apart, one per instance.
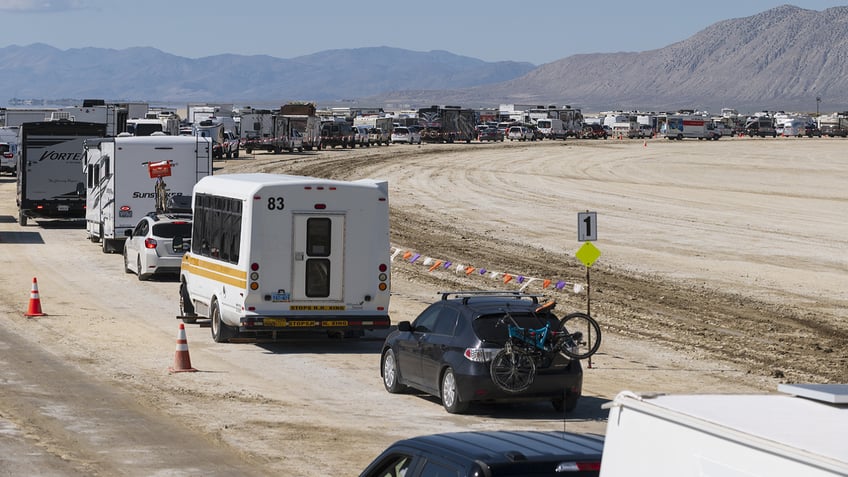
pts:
pixel 800 433
pixel 275 255
pixel 51 181
pixel 119 187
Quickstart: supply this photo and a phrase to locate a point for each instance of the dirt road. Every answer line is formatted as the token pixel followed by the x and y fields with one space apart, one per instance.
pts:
pixel 722 270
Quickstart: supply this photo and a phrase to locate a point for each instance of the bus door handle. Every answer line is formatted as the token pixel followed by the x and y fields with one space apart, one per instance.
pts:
pixel 298 256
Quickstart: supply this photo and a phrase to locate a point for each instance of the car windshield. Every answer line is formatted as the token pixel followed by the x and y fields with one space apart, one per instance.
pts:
pixel 172 229
pixel 486 327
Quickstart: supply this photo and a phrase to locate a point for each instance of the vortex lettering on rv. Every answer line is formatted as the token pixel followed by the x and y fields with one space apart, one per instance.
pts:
pixel 60 156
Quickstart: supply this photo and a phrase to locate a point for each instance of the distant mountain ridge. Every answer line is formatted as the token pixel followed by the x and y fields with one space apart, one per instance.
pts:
pixel 780 59
pixel 144 73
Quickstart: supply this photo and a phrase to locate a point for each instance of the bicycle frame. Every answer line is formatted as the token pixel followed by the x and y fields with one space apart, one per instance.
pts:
pixel 537 337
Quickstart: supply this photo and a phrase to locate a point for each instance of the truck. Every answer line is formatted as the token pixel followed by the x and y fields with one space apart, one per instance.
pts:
pixel 9 149
pixel 551 128
pixel 447 124
pixel 275 256
pixel 113 116
pixel 799 431
pixel 51 183
pixel 273 133
pixel 119 186
pixel 834 125
pixel 379 128
pixel 153 121
pixel 224 141
pixel 302 118
pixel 337 132
pixel 761 126
pixel 679 126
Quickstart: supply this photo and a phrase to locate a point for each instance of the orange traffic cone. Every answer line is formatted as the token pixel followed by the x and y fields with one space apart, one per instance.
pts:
pixel 182 361
pixel 34 301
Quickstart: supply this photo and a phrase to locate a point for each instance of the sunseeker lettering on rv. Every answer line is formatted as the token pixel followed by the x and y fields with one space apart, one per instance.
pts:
pixel 152 195
pixel 61 156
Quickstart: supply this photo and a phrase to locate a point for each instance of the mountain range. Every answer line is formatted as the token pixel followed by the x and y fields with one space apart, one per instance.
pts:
pixel 781 59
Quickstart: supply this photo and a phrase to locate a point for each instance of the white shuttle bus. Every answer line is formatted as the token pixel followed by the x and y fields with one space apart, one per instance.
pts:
pixel 273 255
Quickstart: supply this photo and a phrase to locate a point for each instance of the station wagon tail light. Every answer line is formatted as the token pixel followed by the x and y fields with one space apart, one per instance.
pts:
pixel 480 355
pixel 578 466
pixel 149 243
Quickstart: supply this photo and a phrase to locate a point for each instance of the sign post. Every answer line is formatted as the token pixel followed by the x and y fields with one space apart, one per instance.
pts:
pixel 587 232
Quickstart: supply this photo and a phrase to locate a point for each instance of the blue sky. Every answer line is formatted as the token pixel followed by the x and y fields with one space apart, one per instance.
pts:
pixel 534 31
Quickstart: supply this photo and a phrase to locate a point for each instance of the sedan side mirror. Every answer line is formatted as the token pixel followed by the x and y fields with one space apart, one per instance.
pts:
pixel 404 326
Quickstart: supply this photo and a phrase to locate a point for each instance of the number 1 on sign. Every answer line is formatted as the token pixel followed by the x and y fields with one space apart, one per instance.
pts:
pixel 587 226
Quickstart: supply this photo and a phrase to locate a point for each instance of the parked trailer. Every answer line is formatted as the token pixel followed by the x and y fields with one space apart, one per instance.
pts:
pixel 799 433
pixel 447 124
pixel 51 183
pixel 119 187
pixel 275 255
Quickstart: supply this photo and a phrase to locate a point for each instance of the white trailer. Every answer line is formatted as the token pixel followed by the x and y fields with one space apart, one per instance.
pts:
pixel 51 182
pixel 801 433
pixel 119 189
pixel 277 255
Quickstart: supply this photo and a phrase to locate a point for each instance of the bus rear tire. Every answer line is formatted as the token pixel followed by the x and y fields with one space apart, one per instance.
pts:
pixel 221 332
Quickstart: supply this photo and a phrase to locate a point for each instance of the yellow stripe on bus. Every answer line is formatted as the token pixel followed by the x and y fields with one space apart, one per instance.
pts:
pixel 214 271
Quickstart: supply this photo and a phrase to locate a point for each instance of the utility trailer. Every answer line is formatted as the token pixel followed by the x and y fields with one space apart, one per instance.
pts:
pixel 799 432
pixel 51 182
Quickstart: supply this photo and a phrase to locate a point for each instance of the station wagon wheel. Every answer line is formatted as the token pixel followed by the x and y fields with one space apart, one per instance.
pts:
pixel 391 373
pixel 141 276
pixel 450 394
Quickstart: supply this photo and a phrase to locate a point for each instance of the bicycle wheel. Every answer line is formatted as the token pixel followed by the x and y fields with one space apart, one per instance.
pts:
pixel 513 370
pixel 583 335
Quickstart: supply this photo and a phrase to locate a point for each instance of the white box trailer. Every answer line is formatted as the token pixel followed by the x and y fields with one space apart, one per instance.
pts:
pixel 802 433
pixel 277 255
pixel 119 187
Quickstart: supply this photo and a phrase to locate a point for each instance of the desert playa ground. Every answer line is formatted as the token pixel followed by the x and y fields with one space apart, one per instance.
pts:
pixel 723 268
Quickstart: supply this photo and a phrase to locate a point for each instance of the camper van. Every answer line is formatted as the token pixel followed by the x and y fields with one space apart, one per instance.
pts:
pixel 275 255
pixel 551 128
pixel 121 185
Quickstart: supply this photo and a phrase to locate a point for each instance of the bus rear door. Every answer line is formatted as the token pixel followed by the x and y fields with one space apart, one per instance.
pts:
pixel 318 257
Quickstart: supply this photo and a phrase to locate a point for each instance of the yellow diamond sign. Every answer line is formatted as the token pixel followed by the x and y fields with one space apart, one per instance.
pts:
pixel 587 254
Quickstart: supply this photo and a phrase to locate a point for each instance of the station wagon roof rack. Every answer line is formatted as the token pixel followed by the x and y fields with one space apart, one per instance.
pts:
pixel 468 294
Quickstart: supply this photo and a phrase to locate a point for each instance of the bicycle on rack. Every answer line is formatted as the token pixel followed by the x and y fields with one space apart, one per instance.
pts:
pixel 514 367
